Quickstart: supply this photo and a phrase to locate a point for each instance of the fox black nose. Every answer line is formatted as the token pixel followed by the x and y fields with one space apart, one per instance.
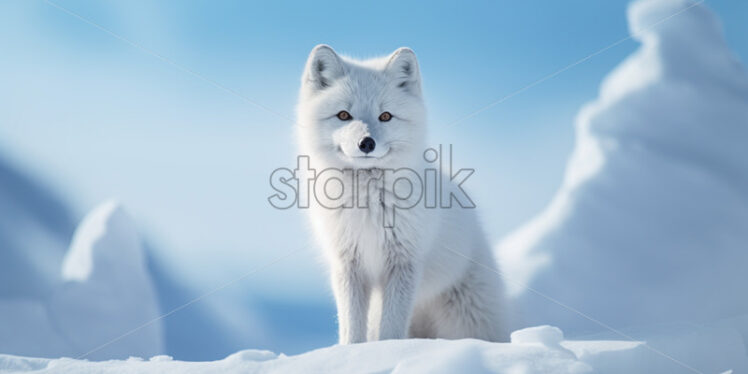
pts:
pixel 367 144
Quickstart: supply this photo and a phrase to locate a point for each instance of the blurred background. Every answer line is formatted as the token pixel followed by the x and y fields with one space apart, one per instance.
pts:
pixel 149 106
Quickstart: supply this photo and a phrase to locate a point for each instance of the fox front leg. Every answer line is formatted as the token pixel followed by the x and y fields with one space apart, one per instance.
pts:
pixel 398 296
pixel 352 299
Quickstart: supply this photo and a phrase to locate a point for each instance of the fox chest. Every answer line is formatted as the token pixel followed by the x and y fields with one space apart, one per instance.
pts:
pixel 375 234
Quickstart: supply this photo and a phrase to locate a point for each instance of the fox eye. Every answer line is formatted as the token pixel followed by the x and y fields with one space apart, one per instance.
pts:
pixel 384 117
pixel 344 116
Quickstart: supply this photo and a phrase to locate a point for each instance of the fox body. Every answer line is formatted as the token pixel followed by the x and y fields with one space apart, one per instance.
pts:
pixel 430 272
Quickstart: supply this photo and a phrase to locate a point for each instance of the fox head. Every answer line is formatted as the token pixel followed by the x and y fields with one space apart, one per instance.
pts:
pixel 361 113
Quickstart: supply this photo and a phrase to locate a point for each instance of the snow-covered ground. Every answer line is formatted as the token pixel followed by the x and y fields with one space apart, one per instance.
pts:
pixel 539 349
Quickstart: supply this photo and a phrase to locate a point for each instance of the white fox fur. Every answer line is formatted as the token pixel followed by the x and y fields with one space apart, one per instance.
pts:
pixel 430 275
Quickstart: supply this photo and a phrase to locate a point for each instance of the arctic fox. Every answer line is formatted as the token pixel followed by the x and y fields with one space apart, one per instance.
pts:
pixel 431 274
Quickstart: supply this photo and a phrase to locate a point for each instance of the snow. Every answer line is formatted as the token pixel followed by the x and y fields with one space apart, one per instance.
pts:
pixel 105 291
pixel 106 237
pixel 40 269
pixel 548 336
pixel 396 356
pixel 650 224
pixel 534 350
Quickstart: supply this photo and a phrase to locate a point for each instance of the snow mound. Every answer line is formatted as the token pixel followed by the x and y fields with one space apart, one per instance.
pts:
pixel 548 336
pixel 535 353
pixel 37 261
pixel 650 224
pixel 105 292
pixel 108 238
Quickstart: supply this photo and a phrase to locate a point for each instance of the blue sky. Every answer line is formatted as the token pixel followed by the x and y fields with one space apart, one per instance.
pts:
pixel 96 118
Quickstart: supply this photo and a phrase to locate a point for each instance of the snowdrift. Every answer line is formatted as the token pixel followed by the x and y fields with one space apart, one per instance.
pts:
pixel 58 299
pixel 650 225
pixel 105 291
pixel 62 299
pixel 535 350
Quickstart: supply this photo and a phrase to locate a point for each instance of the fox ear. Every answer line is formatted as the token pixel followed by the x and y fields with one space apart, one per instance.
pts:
pixel 403 68
pixel 323 67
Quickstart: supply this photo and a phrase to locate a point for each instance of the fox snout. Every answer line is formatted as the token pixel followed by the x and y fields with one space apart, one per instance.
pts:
pixel 359 140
